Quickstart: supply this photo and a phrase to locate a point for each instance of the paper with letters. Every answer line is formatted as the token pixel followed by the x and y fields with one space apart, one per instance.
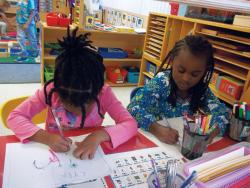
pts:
pixel 35 165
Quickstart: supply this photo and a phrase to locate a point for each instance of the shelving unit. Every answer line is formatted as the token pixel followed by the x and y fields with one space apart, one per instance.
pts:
pixel 100 39
pixel 231 44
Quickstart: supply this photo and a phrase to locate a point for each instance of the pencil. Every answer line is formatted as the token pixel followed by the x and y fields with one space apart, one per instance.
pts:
pixel 57 123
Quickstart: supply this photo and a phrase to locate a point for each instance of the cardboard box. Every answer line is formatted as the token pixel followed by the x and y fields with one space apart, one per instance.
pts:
pixel 231 87
pixel 243 21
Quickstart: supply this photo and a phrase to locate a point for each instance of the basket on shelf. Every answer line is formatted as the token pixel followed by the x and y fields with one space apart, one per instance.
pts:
pixel 49 72
pixel 133 74
pixel 57 19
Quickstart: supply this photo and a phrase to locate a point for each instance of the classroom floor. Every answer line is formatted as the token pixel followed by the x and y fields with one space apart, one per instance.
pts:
pixel 14 90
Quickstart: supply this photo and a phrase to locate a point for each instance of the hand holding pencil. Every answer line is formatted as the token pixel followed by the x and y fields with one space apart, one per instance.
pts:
pixel 58 143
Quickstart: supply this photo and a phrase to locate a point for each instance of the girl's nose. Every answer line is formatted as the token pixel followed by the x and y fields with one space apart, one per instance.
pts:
pixel 186 78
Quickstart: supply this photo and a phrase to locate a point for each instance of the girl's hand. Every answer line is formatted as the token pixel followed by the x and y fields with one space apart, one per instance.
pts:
pixel 87 148
pixel 59 144
pixel 54 141
pixel 164 134
pixel 213 134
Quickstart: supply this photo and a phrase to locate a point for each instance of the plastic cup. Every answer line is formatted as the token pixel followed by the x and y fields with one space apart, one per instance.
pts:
pixel 179 179
pixel 193 144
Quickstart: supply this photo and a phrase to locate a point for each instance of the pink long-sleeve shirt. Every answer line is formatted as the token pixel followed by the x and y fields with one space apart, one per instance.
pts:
pixel 20 122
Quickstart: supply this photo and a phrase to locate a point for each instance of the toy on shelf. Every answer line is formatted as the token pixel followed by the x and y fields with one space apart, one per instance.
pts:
pixel 116 75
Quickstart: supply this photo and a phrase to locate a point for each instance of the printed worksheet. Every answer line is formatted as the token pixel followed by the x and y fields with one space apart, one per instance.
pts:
pixel 132 169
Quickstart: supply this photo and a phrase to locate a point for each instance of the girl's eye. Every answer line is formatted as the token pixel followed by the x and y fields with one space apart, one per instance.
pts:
pixel 195 75
pixel 181 71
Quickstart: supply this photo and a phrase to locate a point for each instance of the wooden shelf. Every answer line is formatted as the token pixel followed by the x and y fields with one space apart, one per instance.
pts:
pixel 11 10
pixel 44 24
pixel 151 59
pixel 231 71
pixel 126 84
pixel 220 37
pixel 148 75
pixel 221 95
pixel 231 51
pixel 53 57
pixel 100 39
pixel 122 59
pixel 239 63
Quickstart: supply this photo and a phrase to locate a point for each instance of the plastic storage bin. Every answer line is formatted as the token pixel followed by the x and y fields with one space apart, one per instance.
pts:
pixel 210 14
pixel 112 53
pixel 133 74
pixel 174 8
pixel 48 73
pixel 116 75
pixel 57 19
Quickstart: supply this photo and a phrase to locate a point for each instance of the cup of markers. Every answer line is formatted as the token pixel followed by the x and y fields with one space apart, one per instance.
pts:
pixel 240 122
pixel 195 136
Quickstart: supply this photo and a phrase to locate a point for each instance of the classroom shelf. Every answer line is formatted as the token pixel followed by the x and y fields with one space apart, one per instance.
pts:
pixel 229 42
pixel 225 38
pixel 237 62
pixel 125 84
pixel 135 60
pixel 232 51
pixel 148 74
pixel 129 41
pixel 44 24
pixel 221 95
pixel 237 73
pixel 151 58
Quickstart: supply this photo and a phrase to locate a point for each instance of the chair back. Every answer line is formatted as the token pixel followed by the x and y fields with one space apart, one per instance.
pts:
pixel 8 106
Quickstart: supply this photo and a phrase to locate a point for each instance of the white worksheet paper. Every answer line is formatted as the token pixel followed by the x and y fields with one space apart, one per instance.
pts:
pixel 175 123
pixel 33 165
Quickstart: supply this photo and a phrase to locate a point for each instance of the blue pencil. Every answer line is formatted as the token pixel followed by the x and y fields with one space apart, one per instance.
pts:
pixel 189 179
pixel 156 174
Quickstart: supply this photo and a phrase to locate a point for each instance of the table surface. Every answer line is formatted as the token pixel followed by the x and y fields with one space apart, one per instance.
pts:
pixel 172 149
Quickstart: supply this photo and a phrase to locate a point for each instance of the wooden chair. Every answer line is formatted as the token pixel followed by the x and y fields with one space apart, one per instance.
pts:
pixel 11 104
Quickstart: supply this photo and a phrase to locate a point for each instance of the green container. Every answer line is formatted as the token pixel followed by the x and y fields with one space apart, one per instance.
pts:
pixel 49 73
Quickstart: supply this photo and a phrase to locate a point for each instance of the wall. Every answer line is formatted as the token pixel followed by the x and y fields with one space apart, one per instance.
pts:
pixel 142 7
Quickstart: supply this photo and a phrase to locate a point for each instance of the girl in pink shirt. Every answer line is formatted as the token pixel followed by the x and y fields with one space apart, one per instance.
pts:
pixel 79 98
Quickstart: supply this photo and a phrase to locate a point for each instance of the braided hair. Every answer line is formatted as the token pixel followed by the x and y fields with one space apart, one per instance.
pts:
pixel 199 47
pixel 79 73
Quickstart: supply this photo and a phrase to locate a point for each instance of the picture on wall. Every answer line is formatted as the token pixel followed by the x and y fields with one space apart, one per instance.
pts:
pixel 133 22
pixel 124 19
pixel 129 17
pixel 139 23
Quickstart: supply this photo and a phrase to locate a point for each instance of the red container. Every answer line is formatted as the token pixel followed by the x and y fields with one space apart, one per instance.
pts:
pixel 52 19
pixel 231 87
pixel 64 22
pixel 57 19
pixel 116 75
pixel 174 8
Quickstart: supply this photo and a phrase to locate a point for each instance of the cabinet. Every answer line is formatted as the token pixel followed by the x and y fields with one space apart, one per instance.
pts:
pixel 231 44
pixel 100 39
